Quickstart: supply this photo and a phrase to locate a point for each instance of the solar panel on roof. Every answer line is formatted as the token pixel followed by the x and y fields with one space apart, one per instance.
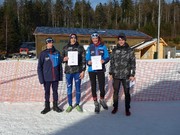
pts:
pixel 87 31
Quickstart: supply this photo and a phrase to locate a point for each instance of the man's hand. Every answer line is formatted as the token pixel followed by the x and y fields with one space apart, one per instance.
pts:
pixel 81 76
pixel 131 78
pixel 65 58
pixel 89 63
pixel 102 61
pixel 110 77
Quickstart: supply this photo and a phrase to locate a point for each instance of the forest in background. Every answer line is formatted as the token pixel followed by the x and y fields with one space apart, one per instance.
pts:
pixel 19 18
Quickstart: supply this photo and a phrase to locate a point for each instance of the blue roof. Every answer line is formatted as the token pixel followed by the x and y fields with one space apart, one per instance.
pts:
pixel 88 31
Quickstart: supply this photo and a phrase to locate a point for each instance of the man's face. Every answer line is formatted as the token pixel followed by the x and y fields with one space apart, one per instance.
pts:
pixel 49 45
pixel 95 40
pixel 73 39
pixel 121 42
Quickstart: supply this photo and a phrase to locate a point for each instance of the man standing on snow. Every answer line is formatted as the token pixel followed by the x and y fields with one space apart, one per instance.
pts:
pixel 122 70
pixel 50 73
pixel 97 49
pixel 74 71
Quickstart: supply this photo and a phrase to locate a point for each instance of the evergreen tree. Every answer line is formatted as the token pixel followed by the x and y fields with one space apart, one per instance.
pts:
pixel 19 18
pixel 12 31
pixel 100 17
pixel 59 13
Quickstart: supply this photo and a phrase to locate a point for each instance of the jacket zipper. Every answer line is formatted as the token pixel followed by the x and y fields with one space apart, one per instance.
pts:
pixel 53 75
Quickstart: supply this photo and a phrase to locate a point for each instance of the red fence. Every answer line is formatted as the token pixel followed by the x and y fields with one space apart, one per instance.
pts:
pixel 156 80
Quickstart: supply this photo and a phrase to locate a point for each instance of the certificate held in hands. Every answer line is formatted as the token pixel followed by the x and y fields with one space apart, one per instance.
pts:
pixel 73 58
pixel 96 62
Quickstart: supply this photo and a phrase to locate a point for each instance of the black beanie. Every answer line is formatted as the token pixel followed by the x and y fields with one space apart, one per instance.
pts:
pixel 122 36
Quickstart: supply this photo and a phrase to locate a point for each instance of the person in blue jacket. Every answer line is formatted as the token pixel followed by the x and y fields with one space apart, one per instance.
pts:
pixel 96 48
pixel 50 73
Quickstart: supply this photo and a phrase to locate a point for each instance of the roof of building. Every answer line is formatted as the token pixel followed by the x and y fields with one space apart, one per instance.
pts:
pixel 177 51
pixel 145 44
pixel 88 31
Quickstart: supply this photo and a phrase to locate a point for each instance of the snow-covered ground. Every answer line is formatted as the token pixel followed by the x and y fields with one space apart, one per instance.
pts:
pixel 148 118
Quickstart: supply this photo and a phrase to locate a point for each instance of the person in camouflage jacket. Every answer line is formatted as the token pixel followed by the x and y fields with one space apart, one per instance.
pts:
pixel 122 70
pixel 76 71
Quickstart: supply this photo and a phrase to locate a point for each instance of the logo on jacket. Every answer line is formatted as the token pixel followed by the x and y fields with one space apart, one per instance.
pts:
pixel 47 58
pixel 101 51
pixel 92 52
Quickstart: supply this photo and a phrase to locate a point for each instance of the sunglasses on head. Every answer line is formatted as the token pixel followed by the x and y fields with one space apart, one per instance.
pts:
pixel 73 37
pixel 49 41
pixel 94 35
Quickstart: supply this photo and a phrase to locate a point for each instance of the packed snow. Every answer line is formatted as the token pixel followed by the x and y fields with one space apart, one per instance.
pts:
pixel 148 118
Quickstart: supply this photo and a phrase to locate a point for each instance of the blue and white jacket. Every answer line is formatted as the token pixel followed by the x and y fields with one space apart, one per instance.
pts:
pixel 93 50
pixel 49 66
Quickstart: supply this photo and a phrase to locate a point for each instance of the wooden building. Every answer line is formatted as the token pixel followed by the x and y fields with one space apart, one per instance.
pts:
pixel 61 36
pixel 148 49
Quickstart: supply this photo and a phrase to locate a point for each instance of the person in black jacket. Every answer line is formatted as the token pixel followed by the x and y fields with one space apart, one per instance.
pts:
pixel 74 71
pixel 122 70
pixel 50 73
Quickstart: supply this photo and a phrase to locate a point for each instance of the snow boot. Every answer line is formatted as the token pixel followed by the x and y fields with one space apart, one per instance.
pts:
pixel 103 103
pixel 97 107
pixel 128 113
pixel 46 109
pixel 55 107
pixel 114 110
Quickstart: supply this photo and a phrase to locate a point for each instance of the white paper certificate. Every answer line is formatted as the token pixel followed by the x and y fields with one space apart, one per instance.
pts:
pixel 73 58
pixel 96 62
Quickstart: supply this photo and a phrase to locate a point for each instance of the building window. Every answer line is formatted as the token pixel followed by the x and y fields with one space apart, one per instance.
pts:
pixel 84 41
pixel 105 42
pixel 109 42
pixel 63 41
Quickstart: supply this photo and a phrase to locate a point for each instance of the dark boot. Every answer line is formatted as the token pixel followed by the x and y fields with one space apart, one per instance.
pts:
pixel 114 110
pixel 46 109
pixel 55 107
pixel 128 113
pixel 97 107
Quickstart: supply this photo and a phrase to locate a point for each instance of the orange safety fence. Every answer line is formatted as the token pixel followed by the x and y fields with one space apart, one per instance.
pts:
pixel 156 80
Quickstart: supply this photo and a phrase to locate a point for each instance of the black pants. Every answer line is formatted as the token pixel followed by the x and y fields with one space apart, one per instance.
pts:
pixel 101 81
pixel 47 86
pixel 116 86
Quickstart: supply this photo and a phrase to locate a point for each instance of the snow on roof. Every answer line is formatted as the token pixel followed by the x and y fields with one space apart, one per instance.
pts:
pixel 146 44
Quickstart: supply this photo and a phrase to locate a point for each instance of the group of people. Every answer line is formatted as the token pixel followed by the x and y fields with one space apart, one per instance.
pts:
pixel 121 71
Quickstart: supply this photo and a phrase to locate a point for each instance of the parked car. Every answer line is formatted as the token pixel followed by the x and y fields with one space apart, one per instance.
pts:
pixel 27 50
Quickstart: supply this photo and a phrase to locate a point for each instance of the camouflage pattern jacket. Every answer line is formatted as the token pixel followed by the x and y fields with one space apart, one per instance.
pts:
pixel 81 58
pixel 123 62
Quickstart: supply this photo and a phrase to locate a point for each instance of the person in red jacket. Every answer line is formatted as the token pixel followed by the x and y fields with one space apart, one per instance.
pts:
pixel 50 73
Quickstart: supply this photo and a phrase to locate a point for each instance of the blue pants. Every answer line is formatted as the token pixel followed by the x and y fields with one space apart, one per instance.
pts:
pixel 69 80
pixel 47 86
